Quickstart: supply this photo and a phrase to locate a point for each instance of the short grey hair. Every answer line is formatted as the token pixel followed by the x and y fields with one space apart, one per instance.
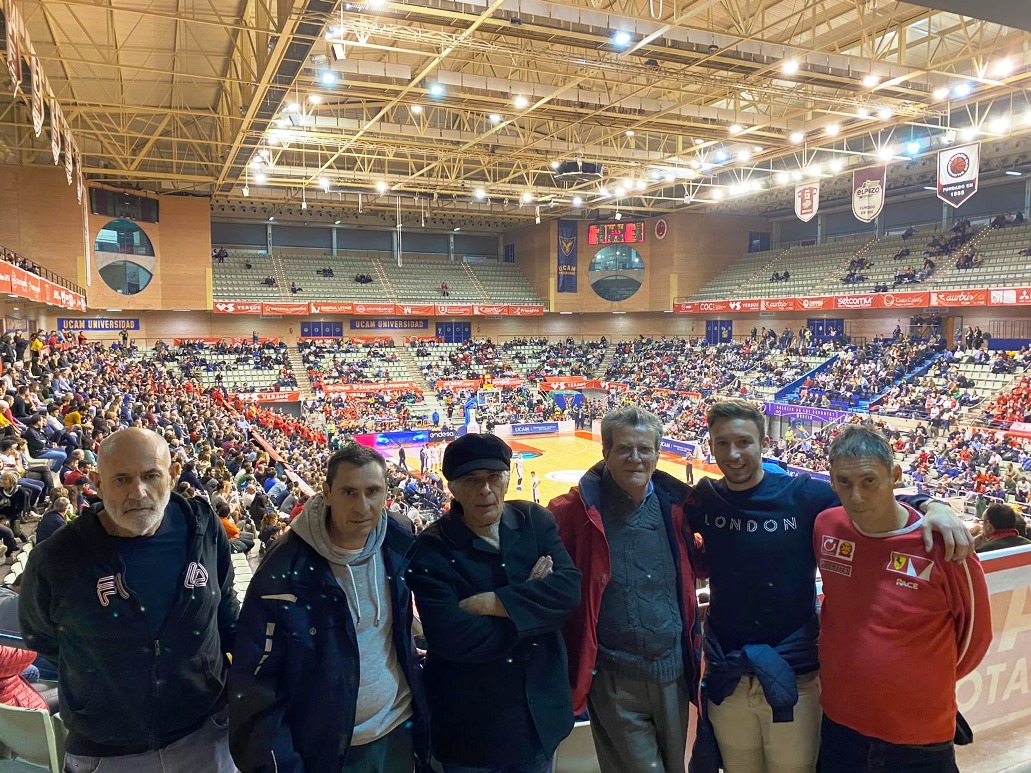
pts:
pixel 858 442
pixel 633 417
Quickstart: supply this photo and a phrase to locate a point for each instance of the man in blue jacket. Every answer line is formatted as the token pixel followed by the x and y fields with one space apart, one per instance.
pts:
pixel 135 602
pixel 325 674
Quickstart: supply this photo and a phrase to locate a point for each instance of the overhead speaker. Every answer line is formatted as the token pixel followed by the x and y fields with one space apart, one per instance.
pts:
pixel 579 171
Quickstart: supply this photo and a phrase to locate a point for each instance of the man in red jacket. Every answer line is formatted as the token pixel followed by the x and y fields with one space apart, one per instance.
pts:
pixel 899 626
pixel 632 639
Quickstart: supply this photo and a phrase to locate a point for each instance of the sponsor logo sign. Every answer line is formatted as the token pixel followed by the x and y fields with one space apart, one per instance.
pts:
pixel 1010 296
pixel 527 311
pixel 454 309
pixel 414 309
pixel 97 323
pixel 685 307
pixel 911 566
pixel 829 565
pixel 813 303
pixel 268 397
pixel 233 307
pixel 854 301
pixel 839 548
pixel 778 304
pixel 905 300
pixel 284 309
pixel 536 428
pixel 806 412
pixel 868 192
pixel 331 308
pixel 959 298
pixel 490 311
pixel 958 169
pixel 373 309
pixel 390 324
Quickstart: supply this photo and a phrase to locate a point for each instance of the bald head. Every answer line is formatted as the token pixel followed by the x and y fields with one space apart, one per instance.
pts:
pixel 134 480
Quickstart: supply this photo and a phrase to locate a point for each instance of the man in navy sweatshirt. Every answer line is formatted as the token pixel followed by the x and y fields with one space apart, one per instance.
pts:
pixel 762 628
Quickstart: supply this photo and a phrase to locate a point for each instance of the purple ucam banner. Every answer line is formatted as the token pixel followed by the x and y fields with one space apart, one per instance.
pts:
pixel 805 412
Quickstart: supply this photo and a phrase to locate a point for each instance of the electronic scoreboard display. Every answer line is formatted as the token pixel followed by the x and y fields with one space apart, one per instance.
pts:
pixel 615 233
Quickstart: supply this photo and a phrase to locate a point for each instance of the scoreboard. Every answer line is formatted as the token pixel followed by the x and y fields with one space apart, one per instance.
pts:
pixel 615 233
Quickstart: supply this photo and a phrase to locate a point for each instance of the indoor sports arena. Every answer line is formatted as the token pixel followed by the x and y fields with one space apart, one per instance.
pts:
pixel 275 232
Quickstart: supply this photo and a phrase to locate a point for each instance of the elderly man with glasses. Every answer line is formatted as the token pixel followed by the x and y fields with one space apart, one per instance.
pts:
pixel 632 639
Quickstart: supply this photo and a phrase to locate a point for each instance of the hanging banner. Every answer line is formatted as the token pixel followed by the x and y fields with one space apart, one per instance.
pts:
pixel 38 89
pixel 12 23
pixel 868 186
pixel 567 256
pixel 807 201
pixel 957 173
pixel 55 129
pixel 68 158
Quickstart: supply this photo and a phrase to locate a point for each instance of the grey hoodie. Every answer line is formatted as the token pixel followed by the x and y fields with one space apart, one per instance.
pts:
pixel 384 700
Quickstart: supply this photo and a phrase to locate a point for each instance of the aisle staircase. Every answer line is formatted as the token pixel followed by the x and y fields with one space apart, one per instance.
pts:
pixel 475 280
pixel 296 363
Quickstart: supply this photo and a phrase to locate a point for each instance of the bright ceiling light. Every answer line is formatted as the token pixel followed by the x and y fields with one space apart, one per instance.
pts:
pixel 736 188
pixel 863 112
pixel 962 90
pixel 1003 67
pixel 885 113
pixel 999 125
pixel 796 138
pixel 621 38
pixel 757 148
pixel 669 177
pixel 871 80
pixel 815 170
pixel 640 185
pixel 699 141
pixel 620 191
pixel 381 186
pixel 292 107
pixel 1027 117
pixel 790 67
pixel 694 163
pixel 324 183
pixel 577 201
pixel 416 109
pixel 721 155
pixel 629 132
pixel 912 148
pixel 756 185
pixel 603 191
pixel 527 197
pixel 628 182
pixel 717 194
pixel 315 99
pixel 261 178
pixel 520 102
pixel 479 194
pixel 436 89
pixel 940 93
pixel 554 164
pixel 781 178
pixel 968 133
pixel 743 155
pixel 886 152
pixel 796 176
pixel 494 118
pixel 735 128
pixel 328 78
pixel 837 165
pixel 833 130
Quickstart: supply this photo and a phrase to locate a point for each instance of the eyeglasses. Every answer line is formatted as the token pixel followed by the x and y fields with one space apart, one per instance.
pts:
pixel 644 453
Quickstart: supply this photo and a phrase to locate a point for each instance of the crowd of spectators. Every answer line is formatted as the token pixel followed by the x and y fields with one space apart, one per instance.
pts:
pixel 339 361
pixel 197 359
pixel 362 279
pixel 854 274
pixel 559 358
pixel 947 243
pixel 472 359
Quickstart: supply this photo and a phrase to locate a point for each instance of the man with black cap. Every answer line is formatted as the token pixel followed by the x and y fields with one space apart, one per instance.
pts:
pixel 494 586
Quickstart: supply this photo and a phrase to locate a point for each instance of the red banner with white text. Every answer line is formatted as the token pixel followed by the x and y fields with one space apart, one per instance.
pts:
pixel 267 397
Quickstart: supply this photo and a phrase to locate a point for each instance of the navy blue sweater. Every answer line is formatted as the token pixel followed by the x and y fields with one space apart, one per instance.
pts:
pixel 759 549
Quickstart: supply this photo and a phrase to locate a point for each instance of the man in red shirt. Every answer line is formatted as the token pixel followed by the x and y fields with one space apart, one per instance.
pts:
pixel 899 625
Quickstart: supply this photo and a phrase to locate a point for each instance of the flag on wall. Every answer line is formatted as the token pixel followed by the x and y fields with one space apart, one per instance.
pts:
pixel 68 157
pixel 868 187
pixel 567 256
pixel 807 201
pixel 38 89
pixel 957 173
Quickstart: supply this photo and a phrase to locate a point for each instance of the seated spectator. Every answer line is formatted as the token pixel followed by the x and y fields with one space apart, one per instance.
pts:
pixel 15 688
pixel 54 519
pixel 1000 529
pixel 240 542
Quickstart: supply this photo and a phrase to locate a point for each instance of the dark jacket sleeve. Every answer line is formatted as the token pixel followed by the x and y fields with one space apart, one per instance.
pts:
pixel 259 737
pixel 228 605
pixel 34 600
pixel 451 632
pixel 541 606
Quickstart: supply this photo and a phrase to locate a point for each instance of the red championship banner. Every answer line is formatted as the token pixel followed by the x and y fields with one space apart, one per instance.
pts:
pixel 331 308
pixel 506 382
pixel 558 383
pixel 267 397
pixel 709 307
pixel 606 385
pixel 362 389
pixel 1010 296
pixel 414 309
pixel 284 309
pixel 237 307
pixel 778 304
pixel 373 309
pixel 490 311
pixel 807 201
pixel 959 298
pixel 5 277
pixel 814 303
pixel 526 311
pixel 905 300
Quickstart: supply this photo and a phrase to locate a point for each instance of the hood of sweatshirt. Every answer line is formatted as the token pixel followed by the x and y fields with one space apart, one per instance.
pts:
pixel 350 568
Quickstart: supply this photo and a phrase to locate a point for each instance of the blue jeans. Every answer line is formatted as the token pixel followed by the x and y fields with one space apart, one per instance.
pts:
pixel 56 458
pixel 843 750
pixel 539 766
pixel 205 750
